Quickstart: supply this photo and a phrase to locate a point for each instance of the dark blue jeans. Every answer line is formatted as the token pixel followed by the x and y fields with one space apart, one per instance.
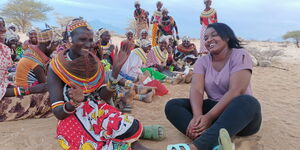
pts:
pixel 242 117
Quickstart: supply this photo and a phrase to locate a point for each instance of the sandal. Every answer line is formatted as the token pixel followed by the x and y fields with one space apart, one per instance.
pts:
pixel 224 141
pixel 178 147
pixel 151 132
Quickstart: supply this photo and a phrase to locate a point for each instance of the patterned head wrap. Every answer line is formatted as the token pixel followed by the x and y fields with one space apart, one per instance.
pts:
pixel 76 23
pixel 145 43
pixel 32 29
pixel 100 32
pixel 144 31
pixel 163 39
pixel 45 36
pixel 186 38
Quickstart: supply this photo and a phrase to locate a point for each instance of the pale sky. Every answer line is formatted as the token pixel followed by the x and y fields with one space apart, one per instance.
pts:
pixel 250 19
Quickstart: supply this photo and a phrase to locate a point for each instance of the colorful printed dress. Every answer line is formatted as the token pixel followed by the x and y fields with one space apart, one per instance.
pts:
pixel 23 107
pixel 141 21
pixel 157 15
pixel 206 17
pixel 95 125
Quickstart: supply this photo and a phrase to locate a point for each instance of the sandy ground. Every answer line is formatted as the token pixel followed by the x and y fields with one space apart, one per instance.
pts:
pixel 277 90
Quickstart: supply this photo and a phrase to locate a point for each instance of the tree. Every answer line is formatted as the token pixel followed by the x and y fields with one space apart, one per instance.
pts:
pixel 24 12
pixel 293 35
pixel 63 20
pixel 131 25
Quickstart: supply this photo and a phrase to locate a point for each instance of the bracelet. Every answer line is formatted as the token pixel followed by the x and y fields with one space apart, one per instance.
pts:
pixel 19 91
pixel 66 111
pixel 56 104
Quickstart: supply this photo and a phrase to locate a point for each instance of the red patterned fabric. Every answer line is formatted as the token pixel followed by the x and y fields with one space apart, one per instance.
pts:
pixel 160 90
pixel 5 63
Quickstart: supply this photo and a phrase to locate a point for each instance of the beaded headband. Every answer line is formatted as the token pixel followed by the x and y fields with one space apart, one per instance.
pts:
pixel 77 23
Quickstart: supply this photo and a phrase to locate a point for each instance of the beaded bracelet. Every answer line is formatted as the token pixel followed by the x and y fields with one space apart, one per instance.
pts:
pixel 68 112
pixel 56 104
pixel 19 91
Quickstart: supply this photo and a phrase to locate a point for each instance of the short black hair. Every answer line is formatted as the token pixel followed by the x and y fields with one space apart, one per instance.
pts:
pixel 226 33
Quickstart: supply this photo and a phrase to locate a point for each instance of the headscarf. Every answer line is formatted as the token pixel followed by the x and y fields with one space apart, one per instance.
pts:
pixel 163 38
pixel 186 38
pixel 100 32
pixel 164 10
pixel 11 25
pixel 32 29
pixel 144 31
pixel 145 43
pixel 10 36
pixel 137 3
pixel 45 36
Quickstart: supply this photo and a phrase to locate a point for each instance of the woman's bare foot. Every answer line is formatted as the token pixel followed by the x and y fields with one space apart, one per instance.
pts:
pixel 148 97
pixel 138 146
pixel 188 78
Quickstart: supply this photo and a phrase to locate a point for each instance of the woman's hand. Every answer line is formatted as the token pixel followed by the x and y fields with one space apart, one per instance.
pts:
pixel 190 132
pixel 120 58
pixel 204 124
pixel 76 93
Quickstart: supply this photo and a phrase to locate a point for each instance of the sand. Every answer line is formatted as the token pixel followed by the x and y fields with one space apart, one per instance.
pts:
pixel 277 90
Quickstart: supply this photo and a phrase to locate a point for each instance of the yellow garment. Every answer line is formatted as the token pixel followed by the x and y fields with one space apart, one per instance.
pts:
pixel 24 69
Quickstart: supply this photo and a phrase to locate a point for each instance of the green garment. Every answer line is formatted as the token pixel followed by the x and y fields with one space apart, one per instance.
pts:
pixel 155 74
pixel 106 64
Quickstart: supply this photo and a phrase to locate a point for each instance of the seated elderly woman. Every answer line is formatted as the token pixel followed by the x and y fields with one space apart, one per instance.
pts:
pixel 17 102
pixel 186 51
pixel 31 69
pixel 157 63
pixel 225 76
pixel 104 46
pixel 12 41
pixel 143 36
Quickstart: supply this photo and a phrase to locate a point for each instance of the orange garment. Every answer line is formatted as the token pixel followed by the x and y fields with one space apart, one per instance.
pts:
pixel 24 73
